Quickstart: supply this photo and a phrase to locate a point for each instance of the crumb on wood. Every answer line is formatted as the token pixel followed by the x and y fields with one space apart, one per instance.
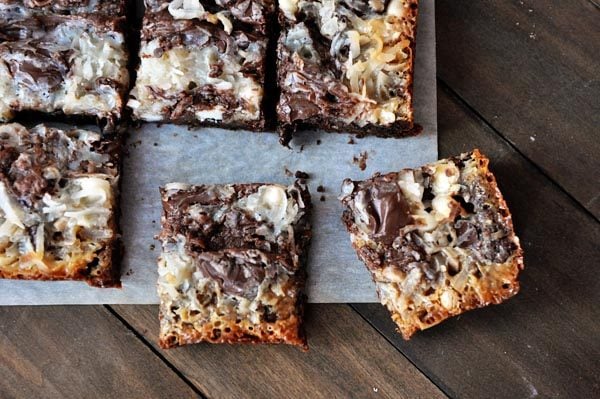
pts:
pixel 361 160
pixel 321 189
pixel 129 272
pixel 287 172
pixel 154 222
pixel 322 198
pixel 301 175
pixel 351 140
pixel 152 247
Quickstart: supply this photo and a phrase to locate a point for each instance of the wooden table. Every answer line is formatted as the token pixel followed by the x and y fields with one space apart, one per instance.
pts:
pixel 519 80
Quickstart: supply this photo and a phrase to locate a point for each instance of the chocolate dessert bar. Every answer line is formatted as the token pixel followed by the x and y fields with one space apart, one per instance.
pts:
pixel 232 267
pixel 438 240
pixel 58 193
pixel 76 65
pixel 255 15
pixel 20 9
pixel 200 66
pixel 346 66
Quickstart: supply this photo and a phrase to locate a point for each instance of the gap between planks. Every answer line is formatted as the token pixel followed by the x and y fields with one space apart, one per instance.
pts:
pixel 140 335
pixel 157 353
pixel 448 89
pixel 442 388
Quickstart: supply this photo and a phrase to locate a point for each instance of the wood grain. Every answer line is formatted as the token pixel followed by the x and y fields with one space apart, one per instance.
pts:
pixel 78 352
pixel 544 342
pixel 347 359
pixel 531 69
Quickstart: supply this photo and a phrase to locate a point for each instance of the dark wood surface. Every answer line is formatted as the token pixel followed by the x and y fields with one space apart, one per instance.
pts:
pixel 521 81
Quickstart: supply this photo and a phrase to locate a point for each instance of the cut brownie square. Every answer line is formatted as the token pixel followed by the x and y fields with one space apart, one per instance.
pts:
pixel 71 64
pixel 257 14
pixel 19 9
pixel 232 267
pixel 346 66
pixel 199 67
pixel 438 240
pixel 58 193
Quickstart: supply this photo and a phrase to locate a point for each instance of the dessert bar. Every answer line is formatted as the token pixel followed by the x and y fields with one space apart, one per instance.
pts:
pixel 438 240
pixel 70 64
pixel 346 66
pixel 232 267
pixel 58 198
pixel 201 66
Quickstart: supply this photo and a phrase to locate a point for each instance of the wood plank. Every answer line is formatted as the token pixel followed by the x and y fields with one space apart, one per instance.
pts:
pixel 531 69
pixel 545 341
pixel 78 352
pixel 347 358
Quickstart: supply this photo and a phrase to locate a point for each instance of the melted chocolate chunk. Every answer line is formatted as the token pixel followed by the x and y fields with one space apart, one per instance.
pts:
pixel 388 211
pixel 236 272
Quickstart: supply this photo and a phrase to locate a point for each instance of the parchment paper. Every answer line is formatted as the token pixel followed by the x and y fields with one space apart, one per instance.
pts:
pixel 162 154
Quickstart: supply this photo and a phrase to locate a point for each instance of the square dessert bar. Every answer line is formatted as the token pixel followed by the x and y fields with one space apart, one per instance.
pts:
pixel 346 66
pixel 255 15
pixel 24 8
pixel 76 65
pixel 201 65
pixel 438 240
pixel 58 193
pixel 232 267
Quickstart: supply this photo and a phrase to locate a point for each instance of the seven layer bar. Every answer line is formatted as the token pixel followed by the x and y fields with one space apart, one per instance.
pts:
pixel 346 66
pixel 203 63
pixel 232 267
pixel 58 196
pixel 67 57
pixel 438 240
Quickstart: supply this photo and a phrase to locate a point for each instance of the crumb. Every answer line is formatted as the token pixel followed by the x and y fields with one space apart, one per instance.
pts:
pixel 154 222
pixel 302 148
pixel 321 189
pixel 152 247
pixel 287 172
pixel 531 138
pixel 301 175
pixel 375 389
pixel 351 141
pixel 156 144
pixel 129 272
pixel 361 160
pixel 318 142
pixel 532 36
pixel 322 198
pixel 136 143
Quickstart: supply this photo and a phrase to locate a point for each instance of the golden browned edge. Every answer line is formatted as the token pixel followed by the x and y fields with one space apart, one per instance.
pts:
pixel 291 333
pixel 107 275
